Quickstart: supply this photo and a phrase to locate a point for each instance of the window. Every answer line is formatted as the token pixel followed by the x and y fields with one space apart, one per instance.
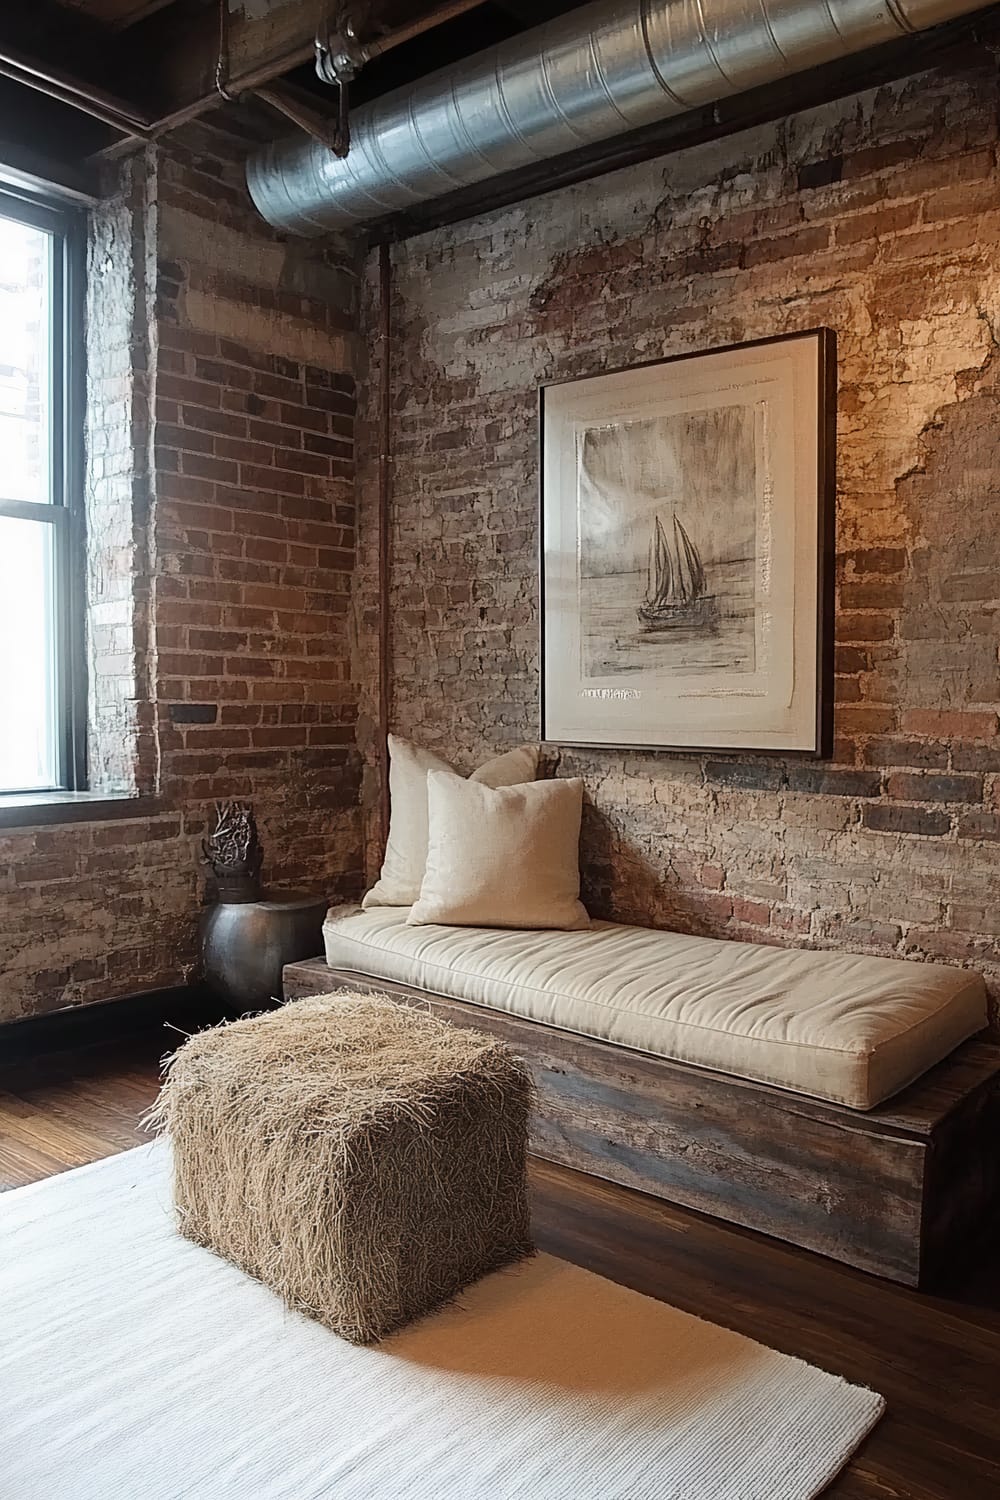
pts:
pixel 41 551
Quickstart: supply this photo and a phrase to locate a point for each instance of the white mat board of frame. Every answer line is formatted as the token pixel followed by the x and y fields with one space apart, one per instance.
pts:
pixel 687 544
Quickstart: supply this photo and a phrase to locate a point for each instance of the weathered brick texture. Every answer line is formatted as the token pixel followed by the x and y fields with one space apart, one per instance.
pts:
pixel 221 501
pixel 879 217
pixel 120 747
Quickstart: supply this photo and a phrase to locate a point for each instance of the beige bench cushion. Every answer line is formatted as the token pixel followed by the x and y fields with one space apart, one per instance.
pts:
pixel 837 1026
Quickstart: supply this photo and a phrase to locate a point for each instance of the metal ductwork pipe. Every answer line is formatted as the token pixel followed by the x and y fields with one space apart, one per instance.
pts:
pixel 592 74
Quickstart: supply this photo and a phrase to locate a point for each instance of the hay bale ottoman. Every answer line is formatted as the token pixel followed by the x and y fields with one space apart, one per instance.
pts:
pixel 363 1159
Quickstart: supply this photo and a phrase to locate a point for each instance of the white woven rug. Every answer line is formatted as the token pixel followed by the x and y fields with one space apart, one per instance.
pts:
pixel 135 1366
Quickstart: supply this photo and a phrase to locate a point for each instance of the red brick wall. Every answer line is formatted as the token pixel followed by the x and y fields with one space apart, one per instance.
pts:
pixel 221 548
pixel 879 217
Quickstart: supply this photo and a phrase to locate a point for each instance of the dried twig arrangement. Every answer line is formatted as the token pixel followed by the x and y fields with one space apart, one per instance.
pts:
pixel 233 850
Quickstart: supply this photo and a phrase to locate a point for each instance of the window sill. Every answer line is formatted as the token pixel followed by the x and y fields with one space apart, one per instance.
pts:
pixel 39 809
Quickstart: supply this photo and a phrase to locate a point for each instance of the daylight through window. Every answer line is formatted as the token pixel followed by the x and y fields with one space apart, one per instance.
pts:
pixel 38 516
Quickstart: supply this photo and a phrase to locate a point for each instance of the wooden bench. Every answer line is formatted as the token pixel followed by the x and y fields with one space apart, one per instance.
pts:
pixel 904 1190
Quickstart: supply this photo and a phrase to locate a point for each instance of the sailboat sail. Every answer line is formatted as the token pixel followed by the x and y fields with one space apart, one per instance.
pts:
pixel 690 570
pixel 660 580
pixel 675 580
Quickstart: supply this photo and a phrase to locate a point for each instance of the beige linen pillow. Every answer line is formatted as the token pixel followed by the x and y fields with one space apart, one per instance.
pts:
pixel 406 847
pixel 504 857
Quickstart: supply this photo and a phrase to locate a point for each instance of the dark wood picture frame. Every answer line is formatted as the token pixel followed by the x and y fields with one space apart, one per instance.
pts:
pixel 825 551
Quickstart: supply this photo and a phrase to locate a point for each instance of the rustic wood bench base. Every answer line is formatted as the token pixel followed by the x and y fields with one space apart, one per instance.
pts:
pixel 904 1191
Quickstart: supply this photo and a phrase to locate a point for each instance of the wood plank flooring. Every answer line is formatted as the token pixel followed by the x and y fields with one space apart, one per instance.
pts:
pixel 935 1359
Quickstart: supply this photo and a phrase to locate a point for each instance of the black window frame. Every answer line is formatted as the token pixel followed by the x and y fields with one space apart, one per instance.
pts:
pixel 64 510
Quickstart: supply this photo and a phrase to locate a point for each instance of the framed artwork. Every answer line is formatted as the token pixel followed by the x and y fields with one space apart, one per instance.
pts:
pixel 687 550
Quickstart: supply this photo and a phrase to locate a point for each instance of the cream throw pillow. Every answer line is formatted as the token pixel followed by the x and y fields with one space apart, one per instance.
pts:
pixel 504 857
pixel 406 848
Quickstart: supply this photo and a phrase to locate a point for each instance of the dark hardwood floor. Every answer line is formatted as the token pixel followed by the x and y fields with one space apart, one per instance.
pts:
pixel 935 1359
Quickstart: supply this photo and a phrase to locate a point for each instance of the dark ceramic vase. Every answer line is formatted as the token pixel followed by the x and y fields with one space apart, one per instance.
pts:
pixel 246 942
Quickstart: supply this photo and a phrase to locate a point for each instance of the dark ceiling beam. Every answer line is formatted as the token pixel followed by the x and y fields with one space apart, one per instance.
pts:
pixel 169 61
pixel 138 13
pixel 976 35
pixel 50 52
pixel 45 139
pixel 26 170
pixel 180 53
pixel 62 37
pixel 164 69
pixel 68 89
pixel 535 12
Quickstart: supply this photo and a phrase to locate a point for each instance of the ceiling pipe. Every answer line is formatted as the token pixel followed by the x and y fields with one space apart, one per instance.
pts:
pixel 87 98
pixel 339 56
pixel 329 132
pixel 137 126
pixel 588 76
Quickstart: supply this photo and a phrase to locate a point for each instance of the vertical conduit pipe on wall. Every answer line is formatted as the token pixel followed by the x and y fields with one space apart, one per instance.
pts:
pixel 384 532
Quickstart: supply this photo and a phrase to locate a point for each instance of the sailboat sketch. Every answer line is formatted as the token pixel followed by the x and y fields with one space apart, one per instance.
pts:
pixel 676 586
pixel 667 514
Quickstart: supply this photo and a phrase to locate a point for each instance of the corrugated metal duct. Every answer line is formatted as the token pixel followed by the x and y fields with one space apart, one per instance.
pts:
pixel 585 77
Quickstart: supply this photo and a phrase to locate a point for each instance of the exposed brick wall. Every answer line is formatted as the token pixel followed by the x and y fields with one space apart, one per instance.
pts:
pixel 221 490
pixel 120 751
pixel 254 540
pixel 879 217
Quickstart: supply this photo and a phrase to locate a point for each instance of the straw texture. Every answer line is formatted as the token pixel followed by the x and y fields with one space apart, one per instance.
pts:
pixel 363 1159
